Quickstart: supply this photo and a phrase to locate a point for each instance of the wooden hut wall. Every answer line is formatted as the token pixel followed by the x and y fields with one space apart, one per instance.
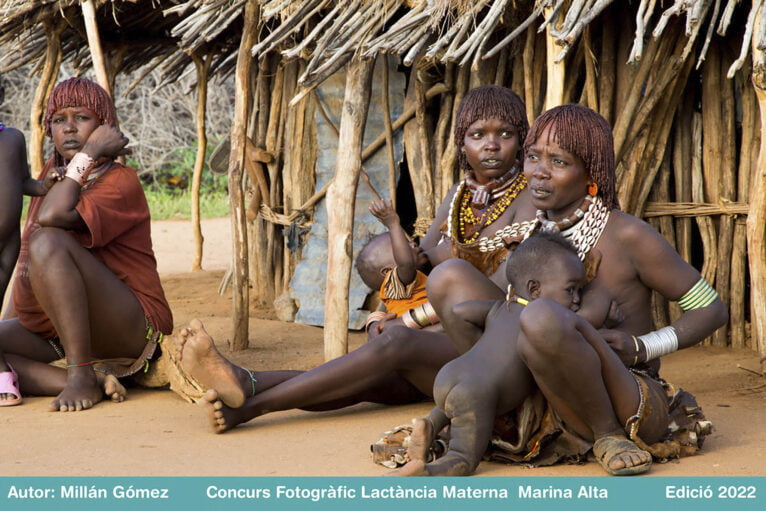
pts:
pixel 686 139
pixel 687 132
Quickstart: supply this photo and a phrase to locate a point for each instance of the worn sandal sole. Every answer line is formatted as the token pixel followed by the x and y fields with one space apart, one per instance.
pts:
pixel 606 448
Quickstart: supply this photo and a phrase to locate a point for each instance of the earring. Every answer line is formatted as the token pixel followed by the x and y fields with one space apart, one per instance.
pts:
pixel 592 189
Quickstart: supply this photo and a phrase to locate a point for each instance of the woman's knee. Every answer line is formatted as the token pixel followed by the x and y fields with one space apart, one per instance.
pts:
pixel 444 277
pixel 544 326
pixel 45 243
pixel 392 343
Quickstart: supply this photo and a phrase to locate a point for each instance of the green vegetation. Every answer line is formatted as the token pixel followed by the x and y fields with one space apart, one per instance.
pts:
pixel 171 205
pixel 168 189
pixel 166 205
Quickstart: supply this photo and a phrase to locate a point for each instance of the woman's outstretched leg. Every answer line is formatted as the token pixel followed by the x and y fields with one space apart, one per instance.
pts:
pixel 368 373
pixel 198 356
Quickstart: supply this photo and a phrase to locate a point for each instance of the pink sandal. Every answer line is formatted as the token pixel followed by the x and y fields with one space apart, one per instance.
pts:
pixel 9 384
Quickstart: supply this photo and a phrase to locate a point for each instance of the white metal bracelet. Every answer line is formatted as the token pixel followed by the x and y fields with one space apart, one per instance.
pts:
pixel 660 342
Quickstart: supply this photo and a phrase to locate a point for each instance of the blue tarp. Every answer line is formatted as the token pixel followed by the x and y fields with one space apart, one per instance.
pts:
pixel 309 281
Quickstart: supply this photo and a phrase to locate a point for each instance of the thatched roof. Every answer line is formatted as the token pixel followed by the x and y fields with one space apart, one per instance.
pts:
pixel 137 31
pixel 327 33
pixel 133 33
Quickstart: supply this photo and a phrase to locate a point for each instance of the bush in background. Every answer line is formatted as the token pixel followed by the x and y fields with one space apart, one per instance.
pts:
pixel 160 123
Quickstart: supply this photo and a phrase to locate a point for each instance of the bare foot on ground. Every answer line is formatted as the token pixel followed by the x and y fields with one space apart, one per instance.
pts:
pixel 421 439
pixel 200 358
pixel 222 417
pixel 417 449
pixel 82 391
pixel 113 389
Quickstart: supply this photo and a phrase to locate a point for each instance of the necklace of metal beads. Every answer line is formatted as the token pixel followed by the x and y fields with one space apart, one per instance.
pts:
pixel 468 220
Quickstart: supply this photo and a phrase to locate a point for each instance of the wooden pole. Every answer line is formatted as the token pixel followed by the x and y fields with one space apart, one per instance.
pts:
pixel 271 265
pixel 442 136
pixel 94 43
pixel 417 148
pixel 530 77
pixel 756 219
pixel 727 166
pixel 258 256
pixel 607 66
pixel 241 298
pixel 341 199
pixel 556 71
pixel 47 79
pixel 448 162
pixel 750 130
pixel 682 143
pixel 202 67
pixel 389 130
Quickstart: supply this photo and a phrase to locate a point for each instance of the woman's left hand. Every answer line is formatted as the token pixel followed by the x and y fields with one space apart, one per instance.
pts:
pixel 622 344
pixel 108 141
pixel 379 327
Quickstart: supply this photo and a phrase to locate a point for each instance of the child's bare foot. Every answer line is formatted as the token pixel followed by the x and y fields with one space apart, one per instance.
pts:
pixel 411 468
pixel 113 389
pixel 200 358
pixel 82 391
pixel 222 417
pixel 420 440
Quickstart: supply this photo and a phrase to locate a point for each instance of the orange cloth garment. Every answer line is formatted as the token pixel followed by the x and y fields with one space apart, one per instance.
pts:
pixel 118 234
pixel 416 292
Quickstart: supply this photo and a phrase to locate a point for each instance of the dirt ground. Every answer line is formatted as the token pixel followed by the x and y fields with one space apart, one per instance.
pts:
pixel 155 433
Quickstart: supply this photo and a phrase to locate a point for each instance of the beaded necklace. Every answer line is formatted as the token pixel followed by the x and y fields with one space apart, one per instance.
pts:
pixel 483 193
pixel 565 223
pixel 586 232
pixel 516 232
pixel 469 225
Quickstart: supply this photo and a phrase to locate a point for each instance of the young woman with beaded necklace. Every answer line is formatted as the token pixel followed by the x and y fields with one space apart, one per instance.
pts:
pixel 597 394
pixel 400 363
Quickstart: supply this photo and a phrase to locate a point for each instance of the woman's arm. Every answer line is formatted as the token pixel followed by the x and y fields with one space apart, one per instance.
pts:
pixel 659 267
pixel 58 207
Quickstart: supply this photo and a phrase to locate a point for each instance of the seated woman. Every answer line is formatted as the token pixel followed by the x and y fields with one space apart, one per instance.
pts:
pixel 593 398
pixel 87 286
pixel 398 365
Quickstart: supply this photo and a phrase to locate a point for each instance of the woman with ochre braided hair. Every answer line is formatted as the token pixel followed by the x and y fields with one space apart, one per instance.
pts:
pixel 86 293
pixel 398 364
pixel 584 389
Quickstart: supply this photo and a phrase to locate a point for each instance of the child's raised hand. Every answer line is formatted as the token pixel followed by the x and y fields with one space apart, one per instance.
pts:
pixel 384 211
pixel 106 140
pixel 53 176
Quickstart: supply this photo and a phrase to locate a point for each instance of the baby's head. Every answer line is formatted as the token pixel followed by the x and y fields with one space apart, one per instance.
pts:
pixel 376 259
pixel 546 265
